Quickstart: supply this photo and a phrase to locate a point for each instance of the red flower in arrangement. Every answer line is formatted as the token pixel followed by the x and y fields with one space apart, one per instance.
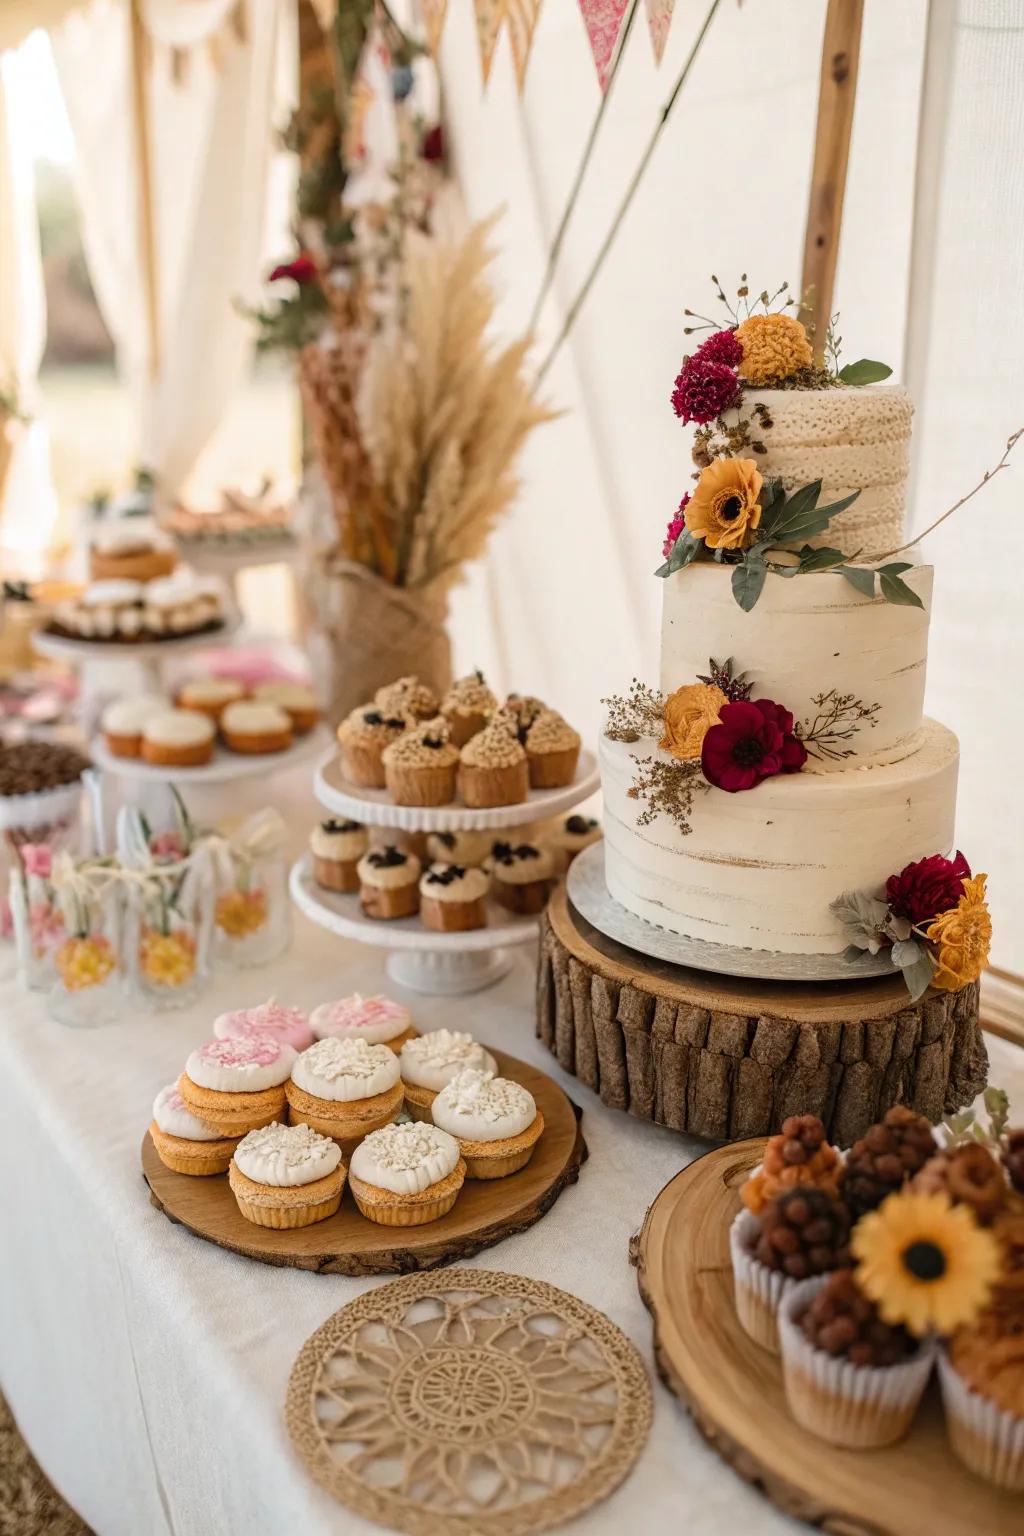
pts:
pixel 707 383
pixel 720 347
pixel 432 148
pixel 675 527
pixel 302 270
pixel 924 890
pixel 753 740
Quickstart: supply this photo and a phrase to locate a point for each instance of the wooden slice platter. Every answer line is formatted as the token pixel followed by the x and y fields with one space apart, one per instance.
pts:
pixel 348 1244
pixel 734 1391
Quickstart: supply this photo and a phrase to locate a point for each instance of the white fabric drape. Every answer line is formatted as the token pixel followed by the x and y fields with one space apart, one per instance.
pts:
pixel 20 17
pixel 211 145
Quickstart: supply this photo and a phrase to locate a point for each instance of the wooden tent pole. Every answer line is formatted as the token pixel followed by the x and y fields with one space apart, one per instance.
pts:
pixel 144 175
pixel 837 92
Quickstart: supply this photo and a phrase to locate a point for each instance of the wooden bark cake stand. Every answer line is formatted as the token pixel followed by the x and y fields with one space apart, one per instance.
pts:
pixel 734 1390
pixel 730 1056
pixel 348 1244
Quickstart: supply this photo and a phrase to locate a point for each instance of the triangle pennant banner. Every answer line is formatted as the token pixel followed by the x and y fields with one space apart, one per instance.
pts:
pixel 433 13
pixel 521 20
pixel 489 16
pixel 603 21
pixel 659 19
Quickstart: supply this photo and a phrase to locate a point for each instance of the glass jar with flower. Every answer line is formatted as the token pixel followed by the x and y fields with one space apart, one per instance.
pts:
pixel 168 899
pixel 88 989
pixel 252 910
pixel 36 917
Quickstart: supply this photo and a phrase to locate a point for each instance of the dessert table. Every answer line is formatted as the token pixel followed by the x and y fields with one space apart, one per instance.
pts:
pixel 148 1369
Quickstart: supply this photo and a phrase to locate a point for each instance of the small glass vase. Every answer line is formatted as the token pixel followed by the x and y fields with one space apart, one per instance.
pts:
pixel 170 961
pixel 39 930
pixel 89 989
pixel 252 913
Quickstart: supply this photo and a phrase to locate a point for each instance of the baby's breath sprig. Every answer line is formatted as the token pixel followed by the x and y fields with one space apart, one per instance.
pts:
pixel 640 712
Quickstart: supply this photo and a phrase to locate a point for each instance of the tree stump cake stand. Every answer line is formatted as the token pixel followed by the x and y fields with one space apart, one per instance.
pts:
pixel 729 1057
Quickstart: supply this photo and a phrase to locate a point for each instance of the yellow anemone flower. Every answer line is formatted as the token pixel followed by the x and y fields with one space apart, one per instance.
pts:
pixel 925 1262
pixel 962 936
pixel 774 348
pixel 724 509
pixel 690 713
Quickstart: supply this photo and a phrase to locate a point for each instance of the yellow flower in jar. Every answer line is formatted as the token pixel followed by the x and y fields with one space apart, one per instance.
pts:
pixel 85 962
pixel 169 959
pixel 240 913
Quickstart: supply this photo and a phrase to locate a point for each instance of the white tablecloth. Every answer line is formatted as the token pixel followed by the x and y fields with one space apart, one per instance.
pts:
pixel 147 1368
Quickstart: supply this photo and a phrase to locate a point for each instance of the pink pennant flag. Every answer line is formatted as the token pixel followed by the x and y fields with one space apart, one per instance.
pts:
pixel 603 21
pixel 521 20
pixel 659 19
pixel 434 13
pixel 489 16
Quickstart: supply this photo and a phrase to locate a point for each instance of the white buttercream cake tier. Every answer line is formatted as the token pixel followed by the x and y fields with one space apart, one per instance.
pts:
pixel 758 869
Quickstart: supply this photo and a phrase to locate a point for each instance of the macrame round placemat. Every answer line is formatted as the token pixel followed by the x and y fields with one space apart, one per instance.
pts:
pixel 453 1403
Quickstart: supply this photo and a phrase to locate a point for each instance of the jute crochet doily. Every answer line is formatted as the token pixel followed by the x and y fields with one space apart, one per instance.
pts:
pixel 468 1402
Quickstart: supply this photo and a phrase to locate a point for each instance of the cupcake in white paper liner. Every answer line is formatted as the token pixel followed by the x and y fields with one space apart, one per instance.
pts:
pixel 860 1407
pixel 988 1439
pixel 758 1289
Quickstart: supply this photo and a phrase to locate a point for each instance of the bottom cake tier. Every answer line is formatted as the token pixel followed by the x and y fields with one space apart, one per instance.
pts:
pixel 758 869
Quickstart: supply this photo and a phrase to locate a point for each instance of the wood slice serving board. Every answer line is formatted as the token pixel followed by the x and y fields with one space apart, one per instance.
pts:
pixel 348 1244
pixel 734 1391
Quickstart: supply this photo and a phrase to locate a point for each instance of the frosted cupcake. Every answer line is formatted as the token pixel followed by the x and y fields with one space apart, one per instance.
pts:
pixel 344 1089
pixel 467 707
pixel 289 1026
pixel 209 695
pixel 255 728
pixel 184 1143
pixel 429 1063
pixel 524 709
pixel 453 899
pixel 123 722
pixel 521 876
pixel 378 1020
pixel 408 696
pixel 362 737
pixel 296 699
pixel 177 738
pixel 337 845
pixel 286 1176
pixel 458 847
pixel 406 1175
pixel 389 881
pixel 419 768
pixel 982 1376
pixel 571 836
pixel 237 1085
pixel 552 751
pixel 497 1122
pixel 492 768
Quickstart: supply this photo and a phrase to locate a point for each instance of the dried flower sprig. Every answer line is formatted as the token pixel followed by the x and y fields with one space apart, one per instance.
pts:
pixel 839 717
pixel 639 713
pixel 667 789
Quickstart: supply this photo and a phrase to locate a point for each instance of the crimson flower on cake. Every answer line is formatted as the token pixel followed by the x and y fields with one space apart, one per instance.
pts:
pixel 923 890
pixel 301 270
pixel 707 384
pixel 753 740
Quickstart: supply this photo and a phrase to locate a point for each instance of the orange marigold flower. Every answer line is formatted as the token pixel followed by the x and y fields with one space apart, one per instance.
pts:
pixel 724 509
pixel 690 713
pixel 962 936
pixel 774 347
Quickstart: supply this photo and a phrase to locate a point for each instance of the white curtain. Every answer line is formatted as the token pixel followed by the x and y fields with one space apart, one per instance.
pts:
pixel 212 140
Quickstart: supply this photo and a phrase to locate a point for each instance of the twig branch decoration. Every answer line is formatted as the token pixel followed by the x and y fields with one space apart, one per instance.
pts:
pixel 1011 443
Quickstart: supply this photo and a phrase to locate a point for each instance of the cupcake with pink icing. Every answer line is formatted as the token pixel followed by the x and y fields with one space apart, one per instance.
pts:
pixel 237 1086
pixel 184 1143
pixel 344 1089
pixel 378 1020
pixel 289 1026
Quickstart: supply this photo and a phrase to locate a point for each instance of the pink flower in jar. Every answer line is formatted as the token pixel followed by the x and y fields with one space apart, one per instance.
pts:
pixel 45 926
pixel 167 845
pixel 37 859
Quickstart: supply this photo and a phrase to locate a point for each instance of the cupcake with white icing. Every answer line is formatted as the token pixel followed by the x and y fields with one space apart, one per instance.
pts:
pixel 389 882
pixel 458 847
pixel 251 727
pixel 209 695
pixel 406 1175
pixel 123 721
pixel 571 836
pixel 286 1176
pixel 496 1122
pixel 237 1085
pixel 336 846
pixel 378 1020
pixel 453 898
pixel 430 1061
pixel 183 1142
pixel 178 738
pixel 521 876
pixel 298 701
pixel 344 1089
pixel 289 1026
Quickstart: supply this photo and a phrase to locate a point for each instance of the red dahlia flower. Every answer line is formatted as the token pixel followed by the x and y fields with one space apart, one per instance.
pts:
pixel 675 527
pixel 720 347
pixel 302 270
pixel 703 391
pixel 753 740
pixel 928 888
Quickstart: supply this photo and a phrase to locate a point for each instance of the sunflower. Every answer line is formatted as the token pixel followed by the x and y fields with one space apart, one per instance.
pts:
pixel 774 347
pixel 962 936
pixel 690 713
pixel 724 509
pixel 925 1262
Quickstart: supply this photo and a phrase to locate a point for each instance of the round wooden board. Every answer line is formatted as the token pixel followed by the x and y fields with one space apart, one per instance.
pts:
pixel 733 1389
pixel 728 1057
pixel 348 1244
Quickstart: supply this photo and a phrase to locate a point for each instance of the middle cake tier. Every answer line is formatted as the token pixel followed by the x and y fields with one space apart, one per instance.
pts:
pixel 759 870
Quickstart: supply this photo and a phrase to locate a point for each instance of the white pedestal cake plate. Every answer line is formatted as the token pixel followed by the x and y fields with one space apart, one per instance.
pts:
pixel 224 767
pixel 589 894
pixel 149 655
pixel 444 964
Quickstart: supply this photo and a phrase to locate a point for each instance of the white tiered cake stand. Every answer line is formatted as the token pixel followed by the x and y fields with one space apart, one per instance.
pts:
pixel 444 964
pixel 149 655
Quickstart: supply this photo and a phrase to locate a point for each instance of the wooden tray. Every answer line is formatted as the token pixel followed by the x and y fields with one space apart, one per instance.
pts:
pixel 734 1391
pixel 348 1244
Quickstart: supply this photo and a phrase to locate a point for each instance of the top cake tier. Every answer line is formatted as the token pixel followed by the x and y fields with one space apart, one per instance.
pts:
pixel 855 439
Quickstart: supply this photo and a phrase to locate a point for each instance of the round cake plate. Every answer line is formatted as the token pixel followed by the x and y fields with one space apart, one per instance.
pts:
pixel 40 808
pixel 223 768
pixel 147 654
pixel 227 559
pixel 589 894
pixel 441 964
pixel 375 808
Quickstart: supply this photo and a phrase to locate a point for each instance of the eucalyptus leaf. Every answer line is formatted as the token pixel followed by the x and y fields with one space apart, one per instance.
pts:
pixel 803 521
pixel 748 579
pixel 784 507
pixel 819 559
pixel 865 371
pixel 685 549
pixel 861 577
pixel 897 567
pixel 895 590
pixel 862 916
pixel 912 958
